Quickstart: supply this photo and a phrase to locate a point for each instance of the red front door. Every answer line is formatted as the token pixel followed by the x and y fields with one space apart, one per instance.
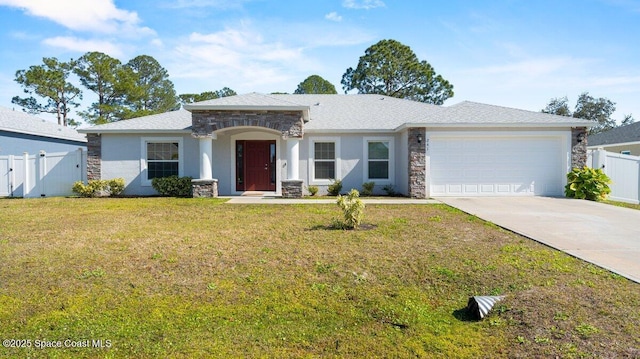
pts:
pixel 255 165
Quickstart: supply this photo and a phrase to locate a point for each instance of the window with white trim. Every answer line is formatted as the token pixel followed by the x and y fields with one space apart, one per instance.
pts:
pixel 161 157
pixel 625 152
pixel 324 161
pixel 378 152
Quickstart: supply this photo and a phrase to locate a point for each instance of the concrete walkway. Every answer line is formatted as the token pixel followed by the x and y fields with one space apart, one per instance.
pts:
pixel 278 200
pixel 602 234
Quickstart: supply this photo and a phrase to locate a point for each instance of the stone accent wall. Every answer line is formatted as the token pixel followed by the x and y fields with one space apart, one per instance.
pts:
pixel 94 156
pixel 292 188
pixel 417 163
pixel 289 123
pixel 578 149
pixel 204 188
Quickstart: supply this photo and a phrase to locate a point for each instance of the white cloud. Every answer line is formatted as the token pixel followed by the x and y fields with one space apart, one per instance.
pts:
pixel 220 4
pixel 79 45
pixel 362 4
pixel 238 58
pixel 333 16
pixel 100 16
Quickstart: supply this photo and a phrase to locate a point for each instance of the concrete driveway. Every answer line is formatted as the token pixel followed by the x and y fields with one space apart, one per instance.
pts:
pixel 602 234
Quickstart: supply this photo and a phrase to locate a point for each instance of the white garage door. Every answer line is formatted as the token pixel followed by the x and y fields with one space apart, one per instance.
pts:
pixel 494 166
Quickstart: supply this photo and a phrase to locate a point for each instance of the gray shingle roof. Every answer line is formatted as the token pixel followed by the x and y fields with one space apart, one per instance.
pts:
pixel 20 122
pixel 173 121
pixel 624 134
pixel 354 113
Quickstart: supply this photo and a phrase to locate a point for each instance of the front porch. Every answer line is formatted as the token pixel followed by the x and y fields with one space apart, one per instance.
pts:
pixel 257 139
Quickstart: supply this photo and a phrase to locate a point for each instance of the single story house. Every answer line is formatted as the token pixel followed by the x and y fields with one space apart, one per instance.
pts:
pixel 280 144
pixel 21 132
pixel 624 140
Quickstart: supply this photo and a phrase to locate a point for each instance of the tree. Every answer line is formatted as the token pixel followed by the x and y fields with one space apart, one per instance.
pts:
pixel 315 84
pixel 110 80
pixel 49 81
pixel 207 95
pixel 598 110
pixel 558 106
pixel 152 92
pixel 393 69
pixel 627 120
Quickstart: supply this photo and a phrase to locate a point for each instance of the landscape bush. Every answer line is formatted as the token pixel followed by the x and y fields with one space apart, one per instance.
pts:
pixel 367 188
pixel 95 188
pixel 587 183
pixel 335 187
pixel 313 190
pixel 172 186
pixel 389 190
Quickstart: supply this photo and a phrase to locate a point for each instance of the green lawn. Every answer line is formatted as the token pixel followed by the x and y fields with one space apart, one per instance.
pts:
pixel 183 278
pixel 623 204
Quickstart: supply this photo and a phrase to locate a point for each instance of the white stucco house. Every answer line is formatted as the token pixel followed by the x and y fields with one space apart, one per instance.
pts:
pixel 280 144
pixel 21 132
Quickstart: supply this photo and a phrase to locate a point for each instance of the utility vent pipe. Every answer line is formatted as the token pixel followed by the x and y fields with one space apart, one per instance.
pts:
pixel 480 305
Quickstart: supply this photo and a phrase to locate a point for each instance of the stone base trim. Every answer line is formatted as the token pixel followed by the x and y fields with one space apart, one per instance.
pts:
pixel 292 188
pixel 204 188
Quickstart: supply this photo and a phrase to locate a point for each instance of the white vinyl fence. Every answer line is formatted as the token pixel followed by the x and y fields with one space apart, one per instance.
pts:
pixel 41 175
pixel 624 171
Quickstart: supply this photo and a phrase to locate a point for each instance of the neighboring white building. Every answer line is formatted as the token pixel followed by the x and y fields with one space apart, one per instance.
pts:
pixel 279 144
pixel 21 132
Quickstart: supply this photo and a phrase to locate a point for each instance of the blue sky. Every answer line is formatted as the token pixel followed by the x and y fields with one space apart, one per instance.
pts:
pixel 504 52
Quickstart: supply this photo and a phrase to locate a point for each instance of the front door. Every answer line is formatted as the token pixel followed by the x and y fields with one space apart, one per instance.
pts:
pixel 255 165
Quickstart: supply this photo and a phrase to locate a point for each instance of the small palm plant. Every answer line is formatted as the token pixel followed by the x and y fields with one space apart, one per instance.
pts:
pixel 353 209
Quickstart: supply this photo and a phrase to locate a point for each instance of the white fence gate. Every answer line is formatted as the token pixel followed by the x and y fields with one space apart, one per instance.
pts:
pixel 41 175
pixel 624 171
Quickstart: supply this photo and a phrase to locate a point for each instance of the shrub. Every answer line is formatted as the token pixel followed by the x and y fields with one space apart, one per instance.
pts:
pixel 367 188
pixel 587 183
pixel 172 186
pixel 115 186
pixel 335 187
pixel 95 188
pixel 313 190
pixel 389 189
pixel 352 208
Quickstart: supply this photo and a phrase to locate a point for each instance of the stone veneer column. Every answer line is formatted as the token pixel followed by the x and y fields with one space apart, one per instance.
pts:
pixel 578 147
pixel 292 189
pixel 204 188
pixel 417 163
pixel 94 156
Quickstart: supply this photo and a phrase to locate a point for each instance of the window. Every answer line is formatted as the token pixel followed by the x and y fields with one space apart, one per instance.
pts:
pixel 161 157
pixel 378 160
pixel 378 166
pixel 325 160
pixel 627 152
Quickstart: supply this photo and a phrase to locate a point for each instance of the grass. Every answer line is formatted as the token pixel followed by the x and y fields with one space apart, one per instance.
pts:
pixel 623 204
pixel 158 277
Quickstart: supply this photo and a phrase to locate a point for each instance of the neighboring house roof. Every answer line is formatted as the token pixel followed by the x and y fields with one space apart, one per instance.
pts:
pixel 20 122
pixel 625 134
pixel 336 113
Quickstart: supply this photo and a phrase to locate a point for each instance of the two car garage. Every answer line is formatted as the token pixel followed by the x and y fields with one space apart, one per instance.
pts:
pixel 498 164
